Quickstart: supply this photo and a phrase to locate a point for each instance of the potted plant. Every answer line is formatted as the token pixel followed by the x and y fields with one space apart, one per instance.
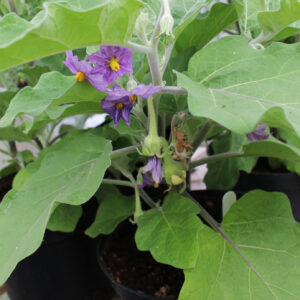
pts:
pixel 166 89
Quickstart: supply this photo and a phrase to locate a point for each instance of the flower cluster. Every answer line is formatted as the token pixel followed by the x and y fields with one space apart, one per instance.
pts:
pixel 110 63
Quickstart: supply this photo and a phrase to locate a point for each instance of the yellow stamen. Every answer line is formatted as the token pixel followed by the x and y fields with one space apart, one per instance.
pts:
pixel 114 64
pixel 156 185
pixel 80 76
pixel 133 98
pixel 119 106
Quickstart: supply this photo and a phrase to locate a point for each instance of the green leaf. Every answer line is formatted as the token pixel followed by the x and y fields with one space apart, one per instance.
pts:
pixel 262 227
pixel 219 88
pixel 53 89
pixel 170 232
pixel 62 27
pixel 5 98
pixel 33 74
pixel 135 128
pixel 247 11
pixel 64 218
pixel 113 209
pixel 13 134
pixel 203 29
pixel 272 22
pixel 68 172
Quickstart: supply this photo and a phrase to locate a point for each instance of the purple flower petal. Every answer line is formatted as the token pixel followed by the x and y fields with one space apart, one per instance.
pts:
pixel 146 91
pixel 154 166
pixel 103 57
pixel 259 134
pixel 117 108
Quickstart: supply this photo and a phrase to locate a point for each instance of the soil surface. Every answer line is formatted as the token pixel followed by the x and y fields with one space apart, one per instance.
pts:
pixel 138 270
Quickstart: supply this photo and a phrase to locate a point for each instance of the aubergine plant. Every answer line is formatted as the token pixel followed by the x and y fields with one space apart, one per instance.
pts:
pixel 171 75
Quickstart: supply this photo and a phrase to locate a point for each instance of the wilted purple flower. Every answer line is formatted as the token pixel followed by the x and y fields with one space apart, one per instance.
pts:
pixel 112 62
pixel 83 70
pixel 258 134
pixel 154 168
pixel 118 102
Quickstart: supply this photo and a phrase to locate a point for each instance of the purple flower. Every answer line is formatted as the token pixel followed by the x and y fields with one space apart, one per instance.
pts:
pixel 83 70
pixel 112 62
pixel 154 168
pixel 119 103
pixel 258 134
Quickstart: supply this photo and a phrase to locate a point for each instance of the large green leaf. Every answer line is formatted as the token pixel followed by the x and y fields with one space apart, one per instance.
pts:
pixel 170 232
pixel 60 27
pixel 53 89
pixel 262 227
pixel 272 22
pixel 201 30
pixel 238 86
pixel 68 172
pixel 13 134
pixel 185 11
pixel 114 208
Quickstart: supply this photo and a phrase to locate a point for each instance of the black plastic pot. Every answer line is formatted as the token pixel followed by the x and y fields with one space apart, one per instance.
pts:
pixel 63 268
pixel 124 292
pixel 287 183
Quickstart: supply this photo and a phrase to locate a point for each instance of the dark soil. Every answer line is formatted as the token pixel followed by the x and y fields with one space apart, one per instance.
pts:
pixel 138 270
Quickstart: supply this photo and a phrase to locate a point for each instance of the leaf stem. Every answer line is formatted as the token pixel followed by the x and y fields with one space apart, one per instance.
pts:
pixel 138 206
pixel 137 47
pixel 123 151
pixel 152 118
pixel 147 198
pixel 215 157
pixel 174 90
pixel 117 182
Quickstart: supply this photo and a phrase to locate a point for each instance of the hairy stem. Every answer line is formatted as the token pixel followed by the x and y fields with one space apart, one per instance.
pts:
pixel 138 206
pixel 123 151
pixel 137 47
pixel 173 90
pixel 117 182
pixel 152 117
pixel 147 198
pixel 215 157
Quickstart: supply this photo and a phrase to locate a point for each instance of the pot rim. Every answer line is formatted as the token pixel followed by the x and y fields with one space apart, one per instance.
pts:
pixel 100 245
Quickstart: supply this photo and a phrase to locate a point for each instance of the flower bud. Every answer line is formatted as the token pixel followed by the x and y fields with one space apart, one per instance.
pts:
pixel 166 24
pixel 131 84
pixel 152 146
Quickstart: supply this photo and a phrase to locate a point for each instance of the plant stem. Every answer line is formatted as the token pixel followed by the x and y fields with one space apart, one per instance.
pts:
pixel 147 198
pixel 123 151
pixel 117 182
pixel 173 90
pixel 152 117
pixel 152 56
pixel 38 142
pixel 5 152
pixel 137 48
pixel 215 157
pixel 138 206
